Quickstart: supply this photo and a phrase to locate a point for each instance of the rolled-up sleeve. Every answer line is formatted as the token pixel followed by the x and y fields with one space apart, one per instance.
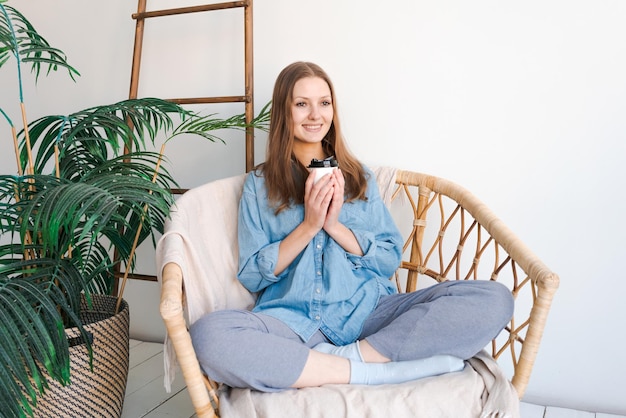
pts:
pixel 381 244
pixel 257 254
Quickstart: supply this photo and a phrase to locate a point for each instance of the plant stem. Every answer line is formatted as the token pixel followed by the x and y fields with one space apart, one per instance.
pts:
pixel 29 150
pixel 57 168
pixel 17 150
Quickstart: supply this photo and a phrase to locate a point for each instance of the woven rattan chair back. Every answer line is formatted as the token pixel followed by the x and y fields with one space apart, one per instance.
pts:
pixel 451 235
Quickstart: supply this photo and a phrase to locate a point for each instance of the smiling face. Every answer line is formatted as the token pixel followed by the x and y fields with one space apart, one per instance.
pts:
pixel 311 111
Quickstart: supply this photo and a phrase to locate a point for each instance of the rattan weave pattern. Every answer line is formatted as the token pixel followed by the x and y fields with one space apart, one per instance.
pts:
pixel 98 392
pixel 452 235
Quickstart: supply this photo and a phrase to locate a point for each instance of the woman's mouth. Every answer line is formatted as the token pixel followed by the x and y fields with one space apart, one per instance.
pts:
pixel 312 128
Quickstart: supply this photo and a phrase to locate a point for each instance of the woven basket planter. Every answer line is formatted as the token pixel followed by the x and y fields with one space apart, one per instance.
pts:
pixel 97 392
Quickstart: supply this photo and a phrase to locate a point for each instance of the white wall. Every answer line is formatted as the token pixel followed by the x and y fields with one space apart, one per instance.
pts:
pixel 523 103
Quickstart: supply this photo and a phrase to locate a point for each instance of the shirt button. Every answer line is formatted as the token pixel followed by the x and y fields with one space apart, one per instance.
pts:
pixel 318 290
pixel 317 317
pixel 319 273
pixel 319 246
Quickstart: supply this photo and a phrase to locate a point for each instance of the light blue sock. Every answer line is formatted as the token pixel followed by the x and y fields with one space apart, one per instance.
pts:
pixel 402 371
pixel 350 351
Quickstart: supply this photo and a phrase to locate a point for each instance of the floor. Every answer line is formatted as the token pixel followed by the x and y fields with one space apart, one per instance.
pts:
pixel 146 397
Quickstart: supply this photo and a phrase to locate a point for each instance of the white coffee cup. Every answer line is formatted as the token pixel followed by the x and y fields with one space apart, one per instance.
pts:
pixel 322 167
pixel 321 172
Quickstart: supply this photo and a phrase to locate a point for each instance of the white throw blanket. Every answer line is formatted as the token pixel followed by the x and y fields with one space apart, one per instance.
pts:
pixel 480 390
pixel 201 237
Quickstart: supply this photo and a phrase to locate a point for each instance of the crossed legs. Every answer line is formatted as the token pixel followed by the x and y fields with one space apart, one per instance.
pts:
pixel 454 319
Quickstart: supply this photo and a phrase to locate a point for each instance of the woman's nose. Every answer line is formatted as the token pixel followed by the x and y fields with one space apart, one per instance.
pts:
pixel 314 113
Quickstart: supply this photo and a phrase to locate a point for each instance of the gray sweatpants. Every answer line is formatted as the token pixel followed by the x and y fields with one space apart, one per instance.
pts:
pixel 459 318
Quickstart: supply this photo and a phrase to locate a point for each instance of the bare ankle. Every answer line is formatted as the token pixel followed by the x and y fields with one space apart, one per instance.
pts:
pixel 369 354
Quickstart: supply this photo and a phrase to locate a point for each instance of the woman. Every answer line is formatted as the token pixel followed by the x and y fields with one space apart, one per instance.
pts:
pixel 320 255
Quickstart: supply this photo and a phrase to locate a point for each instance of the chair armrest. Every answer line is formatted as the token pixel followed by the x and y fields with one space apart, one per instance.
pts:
pixel 172 312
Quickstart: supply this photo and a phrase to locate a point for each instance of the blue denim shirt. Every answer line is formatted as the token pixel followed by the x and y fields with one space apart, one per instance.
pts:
pixel 325 287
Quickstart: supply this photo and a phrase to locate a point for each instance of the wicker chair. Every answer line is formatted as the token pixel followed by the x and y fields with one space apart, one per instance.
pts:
pixel 449 235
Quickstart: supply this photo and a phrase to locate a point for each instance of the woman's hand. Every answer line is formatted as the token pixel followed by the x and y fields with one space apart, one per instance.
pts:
pixel 317 200
pixel 338 231
pixel 322 205
pixel 334 209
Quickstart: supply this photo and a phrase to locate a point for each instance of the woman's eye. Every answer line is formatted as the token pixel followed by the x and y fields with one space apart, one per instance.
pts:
pixel 300 104
pixel 326 103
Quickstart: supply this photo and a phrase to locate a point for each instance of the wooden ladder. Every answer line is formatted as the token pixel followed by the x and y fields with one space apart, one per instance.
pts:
pixel 247 97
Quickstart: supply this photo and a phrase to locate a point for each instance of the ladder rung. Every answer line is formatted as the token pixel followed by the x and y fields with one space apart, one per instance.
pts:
pixel 201 100
pixel 179 191
pixel 191 9
pixel 135 276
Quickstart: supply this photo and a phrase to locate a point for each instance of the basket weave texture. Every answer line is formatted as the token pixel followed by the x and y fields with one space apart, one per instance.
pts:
pixel 97 392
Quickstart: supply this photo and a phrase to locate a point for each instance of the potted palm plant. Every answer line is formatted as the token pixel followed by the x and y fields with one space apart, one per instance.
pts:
pixel 85 192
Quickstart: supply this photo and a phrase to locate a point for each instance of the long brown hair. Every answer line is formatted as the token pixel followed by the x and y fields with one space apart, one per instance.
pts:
pixel 284 174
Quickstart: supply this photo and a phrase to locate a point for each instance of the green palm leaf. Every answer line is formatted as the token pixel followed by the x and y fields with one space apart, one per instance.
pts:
pixel 103 131
pixel 109 130
pixel 37 299
pixel 63 213
pixel 19 39
pixel 205 125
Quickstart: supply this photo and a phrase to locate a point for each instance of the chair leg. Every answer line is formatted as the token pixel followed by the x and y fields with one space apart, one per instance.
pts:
pixel 212 388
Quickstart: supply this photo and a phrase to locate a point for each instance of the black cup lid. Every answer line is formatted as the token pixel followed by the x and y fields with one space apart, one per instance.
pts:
pixel 327 162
